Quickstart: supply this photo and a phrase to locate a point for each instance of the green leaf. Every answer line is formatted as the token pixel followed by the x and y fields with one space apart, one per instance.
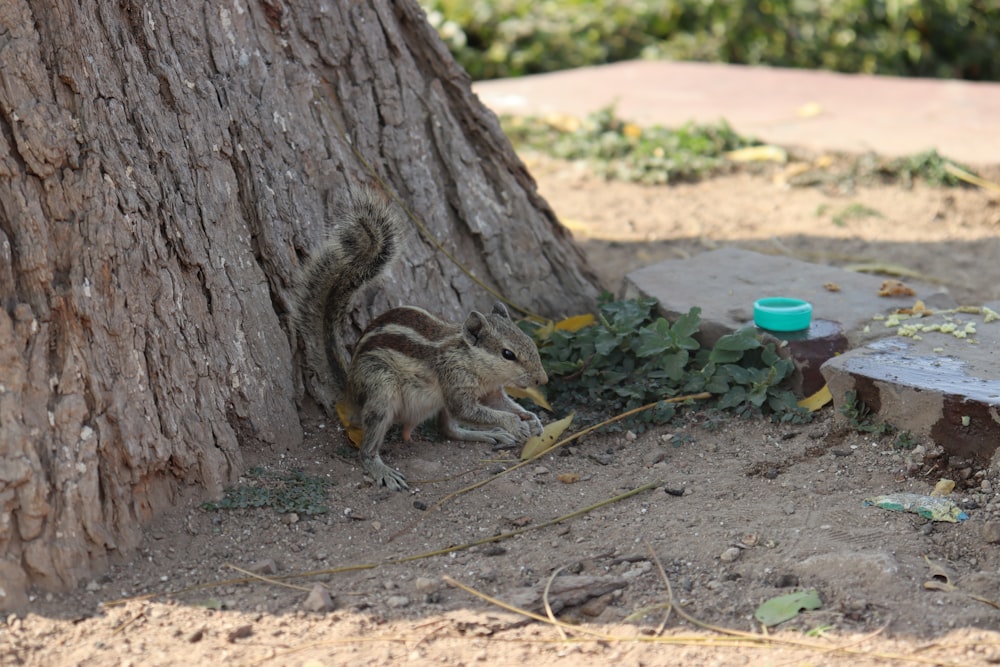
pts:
pixel 687 326
pixel 674 364
pixel 786 607
pixel 731 347
pixel 734 397
pixel 654 339
pixel 606 342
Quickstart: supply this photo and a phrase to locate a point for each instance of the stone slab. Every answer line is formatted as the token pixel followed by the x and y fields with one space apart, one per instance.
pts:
pixel 934 384
pixel 724 283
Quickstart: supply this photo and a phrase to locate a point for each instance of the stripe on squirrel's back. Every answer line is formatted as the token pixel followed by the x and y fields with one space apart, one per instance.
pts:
pixel 418 320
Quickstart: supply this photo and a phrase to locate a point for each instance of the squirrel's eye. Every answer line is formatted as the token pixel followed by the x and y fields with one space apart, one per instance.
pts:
pixel 509 355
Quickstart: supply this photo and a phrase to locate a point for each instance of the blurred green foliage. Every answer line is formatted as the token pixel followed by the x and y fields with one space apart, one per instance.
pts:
pixel 624 151
pixel 934 38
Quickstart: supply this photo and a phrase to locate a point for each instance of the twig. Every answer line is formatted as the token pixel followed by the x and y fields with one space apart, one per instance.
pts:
pixel 548 607
pixel 565 441
pixel 269 580
pixel 666 583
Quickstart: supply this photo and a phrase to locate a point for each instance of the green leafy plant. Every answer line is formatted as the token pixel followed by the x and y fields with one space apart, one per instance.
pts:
pixel 859 416
pixel 942 38
pixel 292 492
pixel 905 441
pixel 632 357
pixel 854 211
pixel 620 150
pixel 616 149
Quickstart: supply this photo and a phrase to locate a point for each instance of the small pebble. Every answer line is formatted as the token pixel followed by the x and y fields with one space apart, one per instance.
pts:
pixel 991 532
pixel 397 601
pixel 319 599
pixel 264 566
pixel 730 554
pixel 425 585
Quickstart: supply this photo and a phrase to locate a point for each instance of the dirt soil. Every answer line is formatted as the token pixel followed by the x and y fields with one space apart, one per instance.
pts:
pixel 734 512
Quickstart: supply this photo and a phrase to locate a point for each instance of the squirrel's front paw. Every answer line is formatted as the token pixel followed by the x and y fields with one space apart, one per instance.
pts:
pixel 384 475
pixel 520 429
pixel 533 422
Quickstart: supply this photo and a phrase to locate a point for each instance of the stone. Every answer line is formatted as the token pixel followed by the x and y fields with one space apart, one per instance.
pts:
pixel 319 599
pixel 725 283
pixel 991 532
pixel 934 384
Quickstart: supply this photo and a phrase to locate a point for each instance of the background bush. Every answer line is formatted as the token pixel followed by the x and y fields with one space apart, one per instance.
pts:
pixel 935 38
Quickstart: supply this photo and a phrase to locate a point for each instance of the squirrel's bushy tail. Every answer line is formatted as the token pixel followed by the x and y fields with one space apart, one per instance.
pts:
pixel 364 239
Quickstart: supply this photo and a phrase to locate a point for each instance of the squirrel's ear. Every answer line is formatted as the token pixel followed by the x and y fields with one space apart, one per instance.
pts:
pixel 473 327
pixel 500 309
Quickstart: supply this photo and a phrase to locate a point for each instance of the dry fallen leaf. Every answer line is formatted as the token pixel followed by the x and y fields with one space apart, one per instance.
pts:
pixel 817 400
pixel 893 287
pixel 534 394
pixel 831 287
pixel 758 154
pixel 354 434
pixel 918 309
pixel 943 487
pixel 541 443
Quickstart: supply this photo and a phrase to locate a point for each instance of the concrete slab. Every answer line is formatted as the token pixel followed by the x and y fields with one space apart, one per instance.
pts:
pixel 933 384
pixel 725 283
pixel 814 109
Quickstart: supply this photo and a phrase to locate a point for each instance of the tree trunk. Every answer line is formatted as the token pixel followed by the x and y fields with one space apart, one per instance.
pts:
pixel 163 166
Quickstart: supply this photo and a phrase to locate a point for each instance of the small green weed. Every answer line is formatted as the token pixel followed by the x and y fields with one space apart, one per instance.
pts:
pixel 623 151
pixel 929 166
pixel 905 441
pixel 294 492
pixel 632 357
pixel 853 212
pixel 859 416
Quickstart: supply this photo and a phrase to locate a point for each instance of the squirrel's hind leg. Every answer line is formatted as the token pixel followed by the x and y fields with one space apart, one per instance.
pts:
pixel 376 423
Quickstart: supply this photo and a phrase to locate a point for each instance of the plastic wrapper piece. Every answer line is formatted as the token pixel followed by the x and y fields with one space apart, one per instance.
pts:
pixel 929 507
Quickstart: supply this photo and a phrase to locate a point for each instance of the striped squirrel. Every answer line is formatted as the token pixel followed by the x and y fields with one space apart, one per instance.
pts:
pixel 408 365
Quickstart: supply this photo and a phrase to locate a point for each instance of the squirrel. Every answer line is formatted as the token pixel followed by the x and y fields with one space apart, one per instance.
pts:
pixel 408 365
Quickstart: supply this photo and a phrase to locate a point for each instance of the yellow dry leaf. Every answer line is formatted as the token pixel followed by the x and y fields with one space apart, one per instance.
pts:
pixel 809 110
pixel 568 478
pixel 817 400
pixel 575 225
pixel 569 324
pixel 943 487
pixel 354 434
pixel 758 154
pixel 544 331
pixel 894 287
pixel 575 323
pixel 534 394
pixel 541 443
pixel 563 122
pixel 889 269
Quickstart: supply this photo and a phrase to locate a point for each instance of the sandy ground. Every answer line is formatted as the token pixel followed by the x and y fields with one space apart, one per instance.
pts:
pixel 728 513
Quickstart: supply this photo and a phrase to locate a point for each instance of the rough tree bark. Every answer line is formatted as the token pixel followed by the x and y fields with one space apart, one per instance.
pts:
pixel 163 166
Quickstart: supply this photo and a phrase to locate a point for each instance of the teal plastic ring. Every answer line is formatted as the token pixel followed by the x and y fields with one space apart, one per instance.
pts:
pixel 778 313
